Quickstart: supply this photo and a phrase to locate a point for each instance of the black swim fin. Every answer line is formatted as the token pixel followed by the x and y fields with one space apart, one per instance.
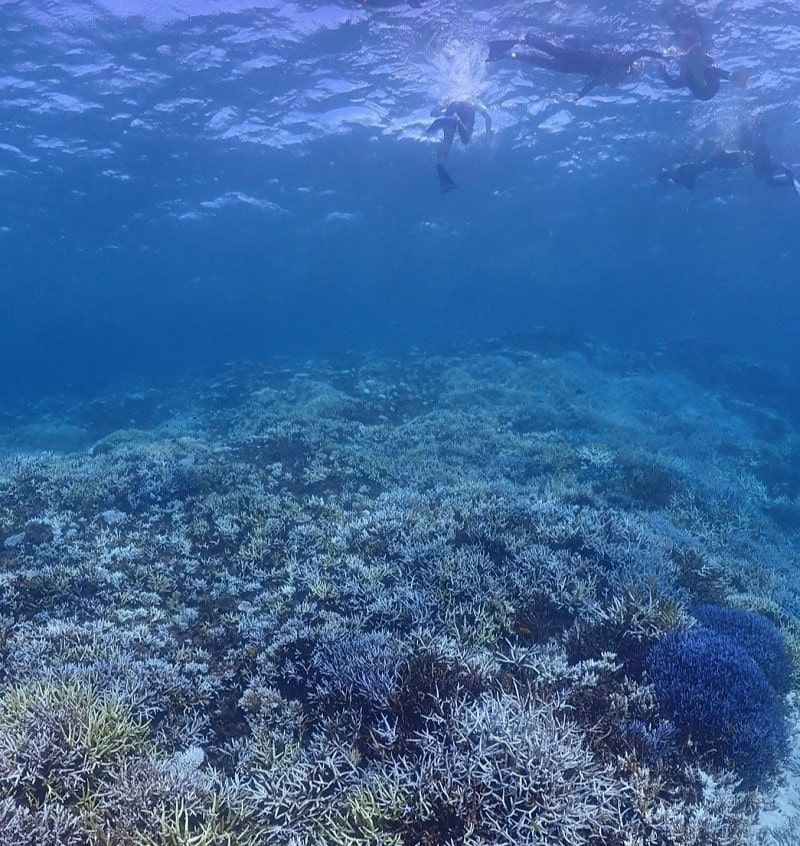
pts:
pixel 445 182
pixel 500 49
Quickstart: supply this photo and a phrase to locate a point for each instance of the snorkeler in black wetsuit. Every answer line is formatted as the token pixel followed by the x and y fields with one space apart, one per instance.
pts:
pixel 696 69
pixel 457 115
pixel 686 173
pixel 698 73
pixel 752 150
pixel 600 67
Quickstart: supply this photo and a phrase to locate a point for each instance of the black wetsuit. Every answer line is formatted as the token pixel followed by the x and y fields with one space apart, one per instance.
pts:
pixel 698 73
pixel 754 151
pixel 458 116
pixel 601 67
pixel 686 173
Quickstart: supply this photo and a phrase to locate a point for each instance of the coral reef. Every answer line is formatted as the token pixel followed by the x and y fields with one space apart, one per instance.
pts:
pixel 444 599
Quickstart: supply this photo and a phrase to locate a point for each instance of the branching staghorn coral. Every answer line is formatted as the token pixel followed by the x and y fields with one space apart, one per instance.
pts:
pixel 58 739
pixel 503 769
pixel 51 825
pixel 209 827
pixel 341 588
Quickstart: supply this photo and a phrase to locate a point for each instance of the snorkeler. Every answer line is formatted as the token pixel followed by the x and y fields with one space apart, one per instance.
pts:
pixel 686 173
pixel 457 115
pixel 698 73
pixel 752 150
pixel 600 67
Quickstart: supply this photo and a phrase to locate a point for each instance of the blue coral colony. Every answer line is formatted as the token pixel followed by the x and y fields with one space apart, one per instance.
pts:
pixel 498 596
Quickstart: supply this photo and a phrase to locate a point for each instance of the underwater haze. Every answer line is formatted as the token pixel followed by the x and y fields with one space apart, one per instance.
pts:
pixel 192 183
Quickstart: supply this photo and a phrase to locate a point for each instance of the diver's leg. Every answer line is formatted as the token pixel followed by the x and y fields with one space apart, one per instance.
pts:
pixel 538 43
pixel 445 182
pixel 443 150
pixel 448 124
pixel 538 61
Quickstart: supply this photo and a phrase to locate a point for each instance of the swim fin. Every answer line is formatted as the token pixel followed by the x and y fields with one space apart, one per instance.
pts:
pixel 445 182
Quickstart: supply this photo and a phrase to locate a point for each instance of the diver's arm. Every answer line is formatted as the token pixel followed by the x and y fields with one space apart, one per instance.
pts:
pixel 672 81
pixel 487 118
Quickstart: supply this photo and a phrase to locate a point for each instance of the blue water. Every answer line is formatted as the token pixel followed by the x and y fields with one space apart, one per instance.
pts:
pixel 187 184
pixel 335 509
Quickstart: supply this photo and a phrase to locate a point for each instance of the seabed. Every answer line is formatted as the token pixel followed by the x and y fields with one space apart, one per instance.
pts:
pixel 389 602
